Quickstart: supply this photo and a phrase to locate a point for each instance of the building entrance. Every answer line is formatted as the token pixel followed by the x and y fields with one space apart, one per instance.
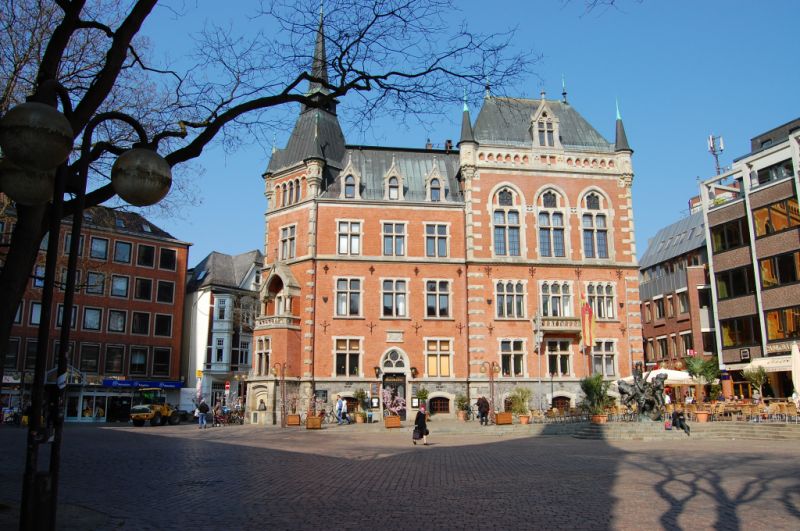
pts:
pixel 397 383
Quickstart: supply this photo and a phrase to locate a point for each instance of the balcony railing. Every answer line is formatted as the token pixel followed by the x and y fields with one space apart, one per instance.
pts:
pixel 277 321
pixel 561 324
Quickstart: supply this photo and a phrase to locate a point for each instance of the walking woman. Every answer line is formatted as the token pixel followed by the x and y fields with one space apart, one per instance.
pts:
pixel 421 425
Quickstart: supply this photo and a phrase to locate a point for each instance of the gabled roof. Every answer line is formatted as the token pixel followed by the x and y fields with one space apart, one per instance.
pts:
pixel 373 163
pixel 674 240
pixel 223 270
pixel 507 121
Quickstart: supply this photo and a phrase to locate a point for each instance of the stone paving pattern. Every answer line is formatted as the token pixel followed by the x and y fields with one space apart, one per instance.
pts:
pixel 354 477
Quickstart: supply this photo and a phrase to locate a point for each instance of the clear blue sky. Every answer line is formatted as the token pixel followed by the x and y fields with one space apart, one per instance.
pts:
pixel 681 71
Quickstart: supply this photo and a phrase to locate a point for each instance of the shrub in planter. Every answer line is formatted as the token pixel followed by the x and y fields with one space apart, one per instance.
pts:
pixel 595 392
pixel 462 405
pixel 520 398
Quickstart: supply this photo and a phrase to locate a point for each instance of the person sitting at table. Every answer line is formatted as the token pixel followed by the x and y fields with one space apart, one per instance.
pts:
pixel 756 397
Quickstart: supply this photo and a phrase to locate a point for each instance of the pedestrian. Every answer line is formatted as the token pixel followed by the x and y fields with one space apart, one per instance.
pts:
pixel 421 425
pixel 341 411
pixel 217 415
pixel 483 410
pixel 202 411
pixel 679 421
pixel 756 397
pixel 667 399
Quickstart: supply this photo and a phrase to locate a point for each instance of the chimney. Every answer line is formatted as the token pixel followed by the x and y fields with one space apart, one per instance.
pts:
pixel 428 144
pixel 448 145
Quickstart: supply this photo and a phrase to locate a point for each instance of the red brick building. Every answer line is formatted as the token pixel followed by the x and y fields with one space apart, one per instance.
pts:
pixel 421 268
pixel 677 313
pixel 127 318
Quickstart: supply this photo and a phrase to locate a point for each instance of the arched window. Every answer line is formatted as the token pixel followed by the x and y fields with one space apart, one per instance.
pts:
pixel 506 225
pixel 394 189
pixel 291 192
pixel 601 298
pixel 595 229
pixel 349 187
pixel 510 298
pixel 551 226
pixel 556 299
pixel 297 191
pixel 284 199
pixel 436 190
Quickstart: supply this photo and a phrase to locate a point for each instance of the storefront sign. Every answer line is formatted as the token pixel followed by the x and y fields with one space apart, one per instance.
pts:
pixel 776 364
pixel 772 348
pixel 169 384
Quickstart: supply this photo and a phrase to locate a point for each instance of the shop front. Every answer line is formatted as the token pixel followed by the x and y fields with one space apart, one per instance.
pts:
pixel 107 400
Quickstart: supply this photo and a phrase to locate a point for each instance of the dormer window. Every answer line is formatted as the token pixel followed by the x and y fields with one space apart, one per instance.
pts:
pixel 394 189
pixel 350 187
pixel 436 190
pixel 546 133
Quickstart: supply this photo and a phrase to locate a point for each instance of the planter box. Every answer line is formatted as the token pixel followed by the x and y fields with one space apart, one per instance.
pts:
pixel 503 418
pixel 292 420
pixel 462 415
pixel 392 422
pixel 702 416
pixel 314 423
pixel 598 419
pixel 524 419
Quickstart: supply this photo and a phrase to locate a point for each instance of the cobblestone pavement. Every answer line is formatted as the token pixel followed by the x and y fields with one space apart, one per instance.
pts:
pixel 248 477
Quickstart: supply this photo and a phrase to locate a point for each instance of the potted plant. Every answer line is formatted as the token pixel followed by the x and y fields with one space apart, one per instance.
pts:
pixel 757 377
pixel 705 371
pixel 595 391
pixel 293 418
pixel 520 398
pixel 392 405
pixel 361 405
pixel 462 406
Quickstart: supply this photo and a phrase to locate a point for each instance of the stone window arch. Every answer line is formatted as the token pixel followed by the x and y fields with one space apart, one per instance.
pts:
pixel 551 221
pixel 594 226
pixel 506 223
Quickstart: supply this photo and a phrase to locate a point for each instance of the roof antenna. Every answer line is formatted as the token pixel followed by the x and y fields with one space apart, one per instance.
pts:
pixel 716 145
pixel 563 89
pixel 274 147
pixel 488 88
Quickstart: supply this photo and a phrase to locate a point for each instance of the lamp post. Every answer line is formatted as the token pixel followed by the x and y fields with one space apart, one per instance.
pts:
pixel 36 140
pixel 552 391
pixel 493 368
pixel 275 368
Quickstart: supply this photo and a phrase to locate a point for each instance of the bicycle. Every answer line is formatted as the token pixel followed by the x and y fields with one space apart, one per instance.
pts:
pixel 470 414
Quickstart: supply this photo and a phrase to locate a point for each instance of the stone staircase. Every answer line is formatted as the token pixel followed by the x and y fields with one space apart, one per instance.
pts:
pixel 646 431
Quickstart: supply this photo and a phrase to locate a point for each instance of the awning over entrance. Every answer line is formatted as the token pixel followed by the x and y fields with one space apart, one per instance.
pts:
pixel 771 364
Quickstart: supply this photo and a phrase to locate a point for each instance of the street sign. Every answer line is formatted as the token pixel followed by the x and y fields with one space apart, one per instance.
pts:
pixel 228 386
pixel 198 373
pixel 690 352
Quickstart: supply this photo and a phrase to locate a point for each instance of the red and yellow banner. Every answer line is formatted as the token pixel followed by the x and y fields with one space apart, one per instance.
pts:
pixel 587 324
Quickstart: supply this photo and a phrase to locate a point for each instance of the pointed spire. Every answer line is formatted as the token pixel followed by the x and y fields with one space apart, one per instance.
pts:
pixel 488 88
pixel 319 64
pixel 621 142
pixel 563 89
pixel 466 124
pixel 619 116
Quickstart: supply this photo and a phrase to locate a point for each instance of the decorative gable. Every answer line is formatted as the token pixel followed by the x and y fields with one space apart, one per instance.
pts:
pixel 393 183
pixel 544 127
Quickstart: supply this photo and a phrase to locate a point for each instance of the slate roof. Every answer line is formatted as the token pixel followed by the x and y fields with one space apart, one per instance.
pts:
pixel 373 163
pixel 223 270
pixel 507 121
pixel 121 221
pixel 674 240
pixel 316 132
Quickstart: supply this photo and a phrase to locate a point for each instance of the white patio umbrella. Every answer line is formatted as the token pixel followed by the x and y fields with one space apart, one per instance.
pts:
pixel 673 377
pixel 796 366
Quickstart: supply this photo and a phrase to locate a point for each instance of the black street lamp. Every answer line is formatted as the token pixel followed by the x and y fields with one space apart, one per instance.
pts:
pixel 36 140
pixel 282 366
pixel 493 368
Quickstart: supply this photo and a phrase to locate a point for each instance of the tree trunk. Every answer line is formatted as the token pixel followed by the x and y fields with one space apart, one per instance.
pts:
pixel 30 228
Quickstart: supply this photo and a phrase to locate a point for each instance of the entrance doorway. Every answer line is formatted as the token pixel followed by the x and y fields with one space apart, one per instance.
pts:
pixel 397 383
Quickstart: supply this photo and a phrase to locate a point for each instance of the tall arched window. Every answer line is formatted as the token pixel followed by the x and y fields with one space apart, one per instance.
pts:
pixel 510 299
pixel 551 226
pixel 394 189
pixel 349 187
pixel 436 190
pixel 595 228
pixel 556 299
pixel 506 225
pixel 297 191
pixel 284 199
pixel 291 192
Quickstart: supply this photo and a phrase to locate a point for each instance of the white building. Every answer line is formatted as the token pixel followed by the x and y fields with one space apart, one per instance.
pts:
pixel 221 297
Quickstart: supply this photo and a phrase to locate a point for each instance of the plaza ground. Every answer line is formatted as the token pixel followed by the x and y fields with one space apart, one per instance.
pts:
pixel 250 477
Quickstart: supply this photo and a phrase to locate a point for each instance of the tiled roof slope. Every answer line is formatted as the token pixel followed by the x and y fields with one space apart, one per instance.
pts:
pixel 674 240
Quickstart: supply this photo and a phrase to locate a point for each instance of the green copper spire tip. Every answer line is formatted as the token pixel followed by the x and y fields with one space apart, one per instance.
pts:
pixel 466 108
pixel 619 116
